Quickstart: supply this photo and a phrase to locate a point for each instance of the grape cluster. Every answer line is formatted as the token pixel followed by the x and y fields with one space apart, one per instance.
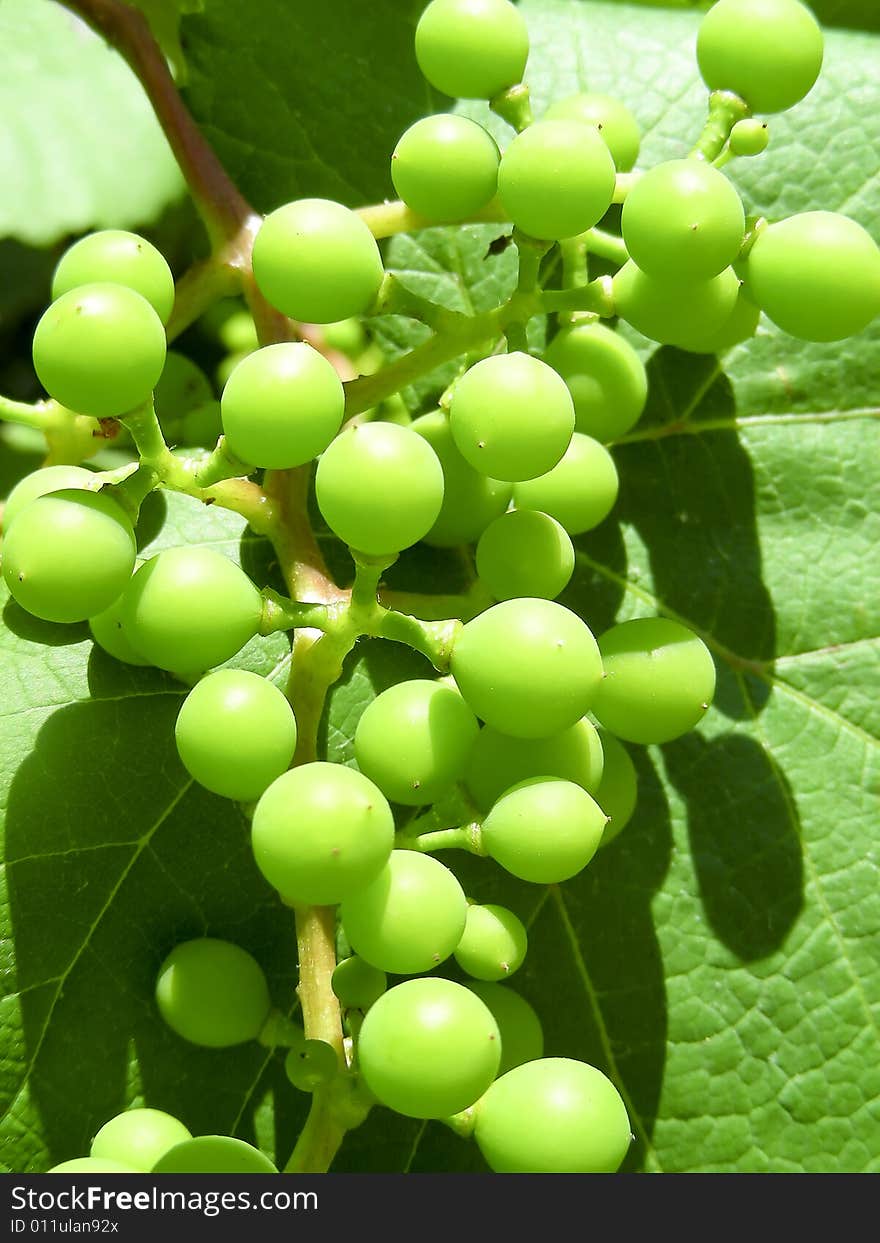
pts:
pixel 515 752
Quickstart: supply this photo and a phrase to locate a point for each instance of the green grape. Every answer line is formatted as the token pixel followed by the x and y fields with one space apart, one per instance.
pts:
pixel 579 492
pixel 445 167
pixel 669 312
pixel 553 1116
pixel 214 1154
pixel 472 49
pixel 605 376
pixel 190 608
pixel 544 830
pixel 618 789
pixel 499 762
pixel 347 336
pixel 238 332
pixel 379 487
pixel 235 734
pixel 683 221
pixel 282 405
pixel 92 1165
pixel 816 275
pixel 212 993
pixel 493 420
pixel 493 944
pixel 108 631
pixel 749 137
pixel 138 1138
pixel 659 680
pixel 202 426
pixel 429 1048
pixel 40 483
pixel 100 350
pixel 471 500
pixel 410 918
pixel 767 51
pixel 358 985
pixel 117 258
pixel 522 1039
pixel 612 119
pixel 414 741
pixel 311 1065
pixel 525 554
pixel 321 832
pixel 556 179
pixel 529 667
pixel 68 555
pixel 741 325
pixel 182 387
pixel 317 261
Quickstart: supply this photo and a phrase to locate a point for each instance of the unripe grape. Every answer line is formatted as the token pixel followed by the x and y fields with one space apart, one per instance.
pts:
pixel 615 123
pixel 544 830
pixel 525 553
pixel 605 376
pixel 182 387
pixel 212 993
pixel 669 312
pixel 357 984
pixel 471 500
pixel 749 137
pixel 92 1165
pixel 311 1065
pixel 346 335
pixel 499 761
pixel 740 325
pixel 138 1138
pixel 618 789
pixel 522 1039
pixel 493 944
pixel 118 258
pixel 580 490
pixel 41 483
pixel 445 167
pixel 108 631
pixel 472 49
pixel 214 1154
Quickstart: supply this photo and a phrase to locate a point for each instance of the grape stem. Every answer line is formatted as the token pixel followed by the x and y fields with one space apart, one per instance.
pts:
pixel 463 837
pixel 725 109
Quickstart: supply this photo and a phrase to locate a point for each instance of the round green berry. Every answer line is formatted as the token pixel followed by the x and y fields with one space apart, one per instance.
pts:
pixel 214 1154
pixel 615 123
pixel 357 984
pixel 118 258
pixel 749 137
pixel 493 944
pixel 499 761
pixel 40 483
pixel 544 830
pixel 212 993
pixel 580 490
pixel 472 49
pixel 471 500
pixel 445 167
pixel 138 1138
pixel 669 312
pixel 525 553
pixel 605 376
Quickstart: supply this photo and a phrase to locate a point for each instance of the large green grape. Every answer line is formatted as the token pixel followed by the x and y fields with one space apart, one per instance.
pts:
pixel 138 1138
pixel 659 680
pixel 816 275
pixel 212 993
pixel 118 258
pixel 235 733
pixel 68 555
pixel 445 167
pixel 530 668
pixel 358 985
pixel 108 631
pixel 472 49
pixel 320 833
pixel 92 1165
pixel 556 179
pixel 499 761
pixel 553 1116
pixel 522 1039
pixel 189 609
pixel 605 376
pixel 669 312
pixel 214 1154
pixel 40 483
pixel 410 918
pixel 429 1048
pixel 100 350
pixel 379 487
pixel 613 120
pixel 740 325
pixel 618 789
pixel 580 490
pixel 767 51
pixel 414 741
pixel 494 416
pixel 683 221
pixel 471 500
pixel 544 830
pixel 493 944
pixel 525 553
pixel 317 261
pixel 281 406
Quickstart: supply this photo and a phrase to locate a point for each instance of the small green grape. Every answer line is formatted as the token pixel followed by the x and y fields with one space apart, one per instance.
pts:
pixel 659 680
pixel 580 490
pixel 190 608
pixel 320 833
pixel 767 51
pixel 429 1048
pixel 92 1165
pixel 414 741
pixel 282 405
pixel 749 137
pixel 118 258
pixel 816 275
pixel 492 416
pixel 556 179
pixel 615 123
pixel 410 918
pixel 499 761
pixel 618 789
pixel 201 426
pixel 214 1154
pixel 181 388
pixel 238 332
pixel 212 993
pixel 100 350
pixel 522 1039
pixel 138 1138
pixel 379 487
pixel 40 483
pixel 544 830
pixel 68 555
pixel 472 49
pixel 741 325
pixel 311 1065
pixel 669 312
pixel 235 734
pixel 358 985
pixel 525 553
pixel 529 667
pixel 493 944
pixel 108 631
pixel 445 167
pixel 471 500
pixel 553 1116
pixel 347 336
pixel 605 376
pixel 317 261
pixel 683 221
